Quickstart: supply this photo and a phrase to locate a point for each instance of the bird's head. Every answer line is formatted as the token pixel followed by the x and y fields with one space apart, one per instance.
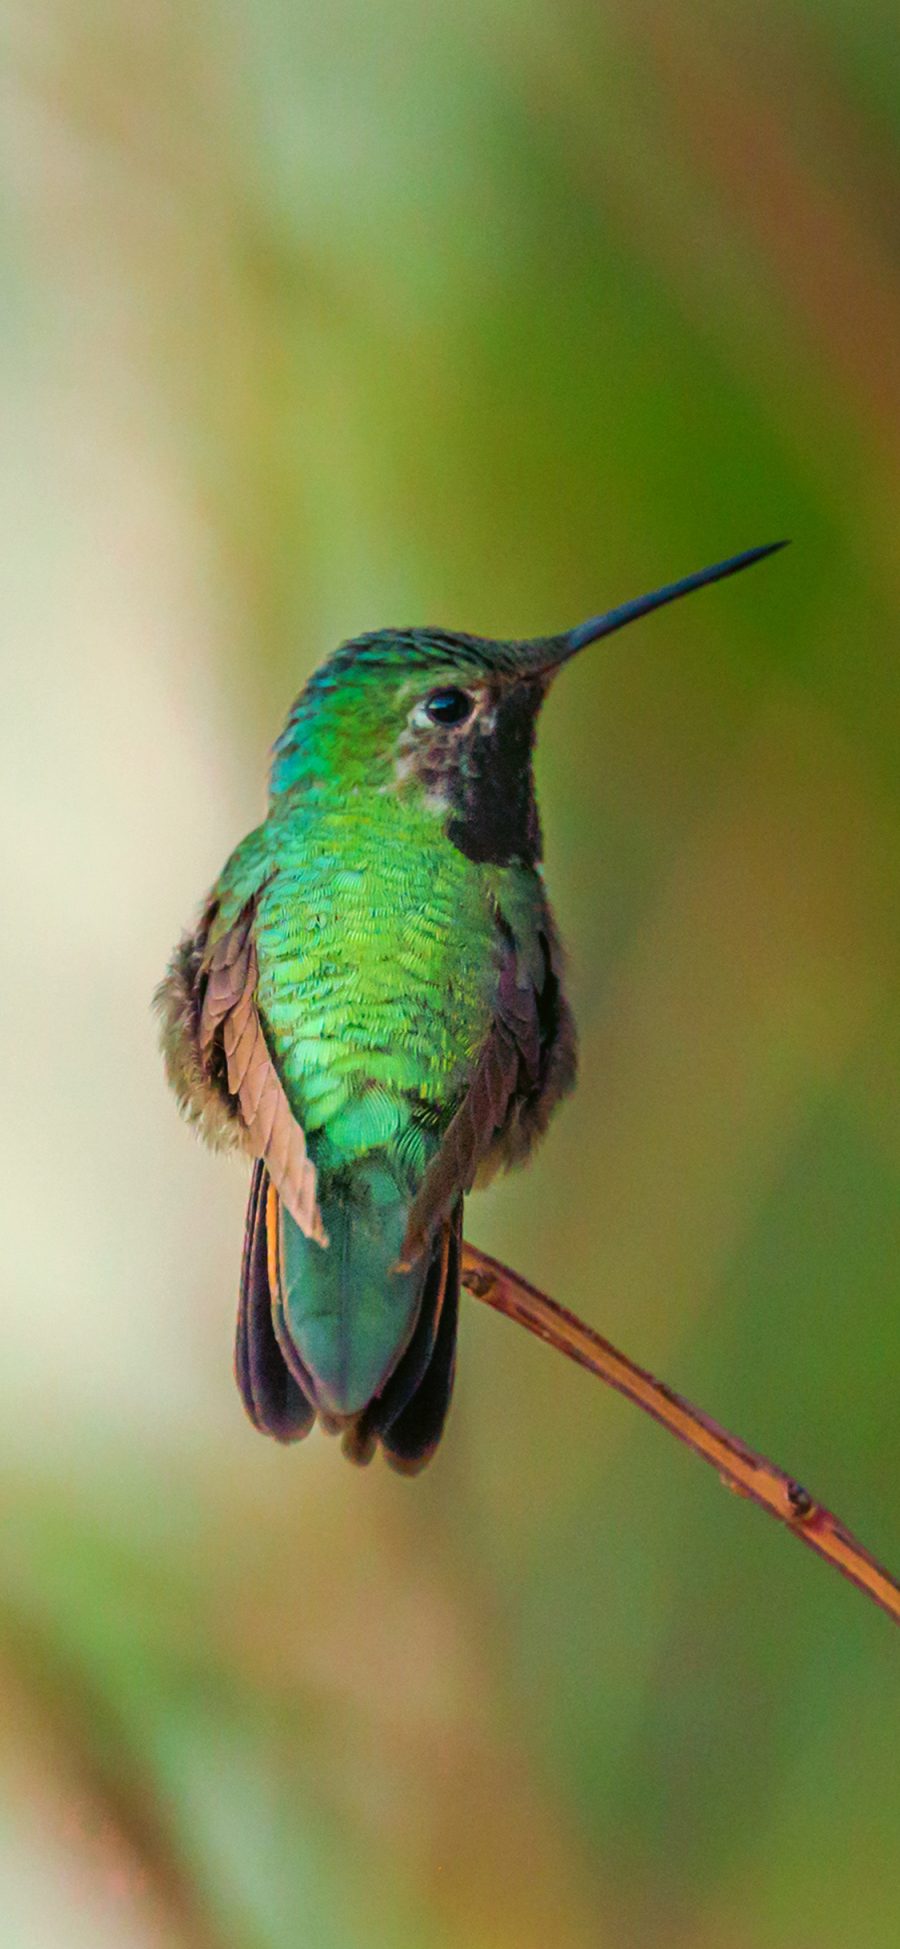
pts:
pixel 447 719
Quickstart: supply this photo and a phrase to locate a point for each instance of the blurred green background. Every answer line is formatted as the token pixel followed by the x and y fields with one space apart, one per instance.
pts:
pixel 316 318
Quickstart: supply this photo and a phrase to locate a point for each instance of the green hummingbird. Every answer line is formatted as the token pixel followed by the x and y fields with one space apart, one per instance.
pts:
pixel 371 1005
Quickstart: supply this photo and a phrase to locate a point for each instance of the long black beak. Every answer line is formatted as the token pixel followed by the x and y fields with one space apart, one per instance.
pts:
pixel 555 650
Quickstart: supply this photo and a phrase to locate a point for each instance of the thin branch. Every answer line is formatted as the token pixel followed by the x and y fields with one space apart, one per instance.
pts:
pixel 740 1468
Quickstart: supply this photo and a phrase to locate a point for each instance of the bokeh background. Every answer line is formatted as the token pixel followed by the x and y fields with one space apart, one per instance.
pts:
pixel 319 317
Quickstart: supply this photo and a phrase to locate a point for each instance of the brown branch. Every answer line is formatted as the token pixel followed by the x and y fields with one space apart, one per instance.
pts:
pixel 740 1468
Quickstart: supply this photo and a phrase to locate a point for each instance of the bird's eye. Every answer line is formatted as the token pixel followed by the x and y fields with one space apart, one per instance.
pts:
pixel 449 706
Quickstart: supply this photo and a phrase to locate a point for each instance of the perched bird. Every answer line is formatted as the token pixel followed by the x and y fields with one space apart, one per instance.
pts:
pixel 371 1005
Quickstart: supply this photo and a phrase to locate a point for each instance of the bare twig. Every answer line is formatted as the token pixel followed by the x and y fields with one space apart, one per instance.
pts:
pixel 740 1468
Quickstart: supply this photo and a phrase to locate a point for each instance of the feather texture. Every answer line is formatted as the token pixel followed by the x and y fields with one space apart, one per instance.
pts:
pixel 273 1133
pixel 509 1067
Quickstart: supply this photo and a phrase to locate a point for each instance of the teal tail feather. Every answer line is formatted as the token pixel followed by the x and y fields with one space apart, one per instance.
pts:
pixel 348 1313
pixel 338 1332
pixel 408 1416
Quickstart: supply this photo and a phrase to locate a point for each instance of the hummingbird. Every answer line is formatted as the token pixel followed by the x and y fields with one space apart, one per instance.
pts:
pixel 371 1005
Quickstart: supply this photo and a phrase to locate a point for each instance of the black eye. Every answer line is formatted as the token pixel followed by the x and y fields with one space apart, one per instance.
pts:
pixel 449 706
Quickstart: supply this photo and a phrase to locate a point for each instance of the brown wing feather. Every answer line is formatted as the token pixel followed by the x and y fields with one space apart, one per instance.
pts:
pixel 273 1134
pixel 226 979
pixel 508 1068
